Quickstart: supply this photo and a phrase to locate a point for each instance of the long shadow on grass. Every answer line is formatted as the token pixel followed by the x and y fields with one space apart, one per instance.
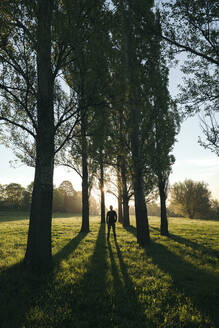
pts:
pixel 84 301
pixel 126 308
pixel 89 300
pixel 91 304
pixel 200 286
pixel 69 247
pixel 20 288
pixel 190 243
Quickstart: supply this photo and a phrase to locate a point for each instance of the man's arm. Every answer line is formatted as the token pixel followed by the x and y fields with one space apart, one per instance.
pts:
pixel 115 216
pixel 107 217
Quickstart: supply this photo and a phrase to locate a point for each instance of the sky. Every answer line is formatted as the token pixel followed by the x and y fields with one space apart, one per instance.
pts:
pixel 192 161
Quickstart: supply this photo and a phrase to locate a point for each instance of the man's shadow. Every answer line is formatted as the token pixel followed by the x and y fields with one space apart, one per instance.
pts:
pixel 127 310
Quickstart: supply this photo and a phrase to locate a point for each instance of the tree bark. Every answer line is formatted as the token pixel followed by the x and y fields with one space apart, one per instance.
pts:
pixel 125 197
pixel 102 193
pixel 134 109
pixel 142 227
pixel 143 235
pixel 38 253
pixel 85 183
pixel 119 187
pixel 163 214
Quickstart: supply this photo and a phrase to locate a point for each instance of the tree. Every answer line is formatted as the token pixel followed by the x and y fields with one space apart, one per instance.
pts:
pixel 30 61
pixel 153 209
pixel 30 28
pixel 66 199
pixel 214 210
pixel 39 237
pixel 94 208
pixel 192 27
pixel 134 37
pixel 210 127
pixel 164 124
pixel 67 188
pixel 191 199
pixel 58 201
pixel 119 197
pixel 123 157
pixel 2 196
pixel 13 195
pixel 119 152
pixel 87 78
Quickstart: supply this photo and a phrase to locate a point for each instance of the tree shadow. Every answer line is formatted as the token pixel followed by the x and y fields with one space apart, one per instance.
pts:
pixel 197 284
pixel 92 308
pixel 192 244
pixel 132 229
pixel 20 287
pixel 97 298
pixel 69 247
pixel 86 302
pixel 127 310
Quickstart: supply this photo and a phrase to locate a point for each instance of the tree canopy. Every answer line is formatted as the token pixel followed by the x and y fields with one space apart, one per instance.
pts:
pixel 190 199
pixel 191 27
pixel 85 84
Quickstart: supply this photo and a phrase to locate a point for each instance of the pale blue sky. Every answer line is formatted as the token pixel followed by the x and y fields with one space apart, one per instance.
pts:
pixel 192 161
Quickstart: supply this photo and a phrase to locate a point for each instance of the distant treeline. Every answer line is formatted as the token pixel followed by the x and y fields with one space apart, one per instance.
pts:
pixel 66 199
pixel 153 209
pixel 203 207
pixel 14 196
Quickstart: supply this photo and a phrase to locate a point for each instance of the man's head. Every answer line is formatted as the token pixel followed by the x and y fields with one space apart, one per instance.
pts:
pixel 111 208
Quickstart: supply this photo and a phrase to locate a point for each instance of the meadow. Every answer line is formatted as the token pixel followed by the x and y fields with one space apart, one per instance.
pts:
pixel 172 283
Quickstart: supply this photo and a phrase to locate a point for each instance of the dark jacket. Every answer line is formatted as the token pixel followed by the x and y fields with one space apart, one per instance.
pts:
pixel 111 217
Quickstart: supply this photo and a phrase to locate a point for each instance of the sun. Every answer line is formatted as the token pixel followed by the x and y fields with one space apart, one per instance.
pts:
pixel 110 199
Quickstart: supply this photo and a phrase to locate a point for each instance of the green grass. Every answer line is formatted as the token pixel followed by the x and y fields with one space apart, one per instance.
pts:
pixel 173 283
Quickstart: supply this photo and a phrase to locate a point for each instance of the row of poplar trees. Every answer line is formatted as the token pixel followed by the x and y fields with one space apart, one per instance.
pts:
pixel 84 84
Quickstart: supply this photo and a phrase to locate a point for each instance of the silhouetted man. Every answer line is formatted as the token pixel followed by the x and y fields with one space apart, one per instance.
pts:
pixel 111 219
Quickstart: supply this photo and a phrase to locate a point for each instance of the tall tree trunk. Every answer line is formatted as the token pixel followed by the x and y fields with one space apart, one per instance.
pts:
pixel 143 235
pixel 125 197
pixel 102 193
pixel 163 214
pixel 119 188
pixel 122 171
pixel 131 76
pixel 85 183
pixel 38 252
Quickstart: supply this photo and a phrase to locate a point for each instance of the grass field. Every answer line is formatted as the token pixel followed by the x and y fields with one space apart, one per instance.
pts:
pixel 173 283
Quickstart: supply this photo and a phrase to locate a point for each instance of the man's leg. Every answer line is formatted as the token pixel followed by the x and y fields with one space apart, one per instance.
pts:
pixel 108 234
pixel 114 230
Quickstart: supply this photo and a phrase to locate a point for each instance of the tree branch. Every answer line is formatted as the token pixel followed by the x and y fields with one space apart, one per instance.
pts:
pixel 18 125
pixel 6 88
pixel 67 138
pixel 193 51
